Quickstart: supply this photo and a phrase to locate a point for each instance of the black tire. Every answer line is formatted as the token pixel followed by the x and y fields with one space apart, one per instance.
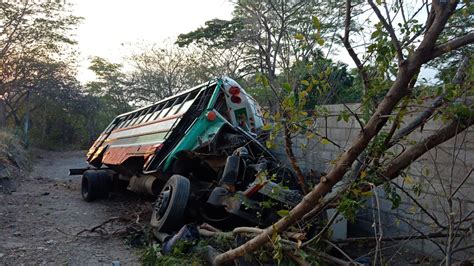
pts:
pixel 169 208
pixel 95 184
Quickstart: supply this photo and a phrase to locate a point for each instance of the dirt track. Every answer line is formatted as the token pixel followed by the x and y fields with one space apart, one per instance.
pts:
pixel 38 221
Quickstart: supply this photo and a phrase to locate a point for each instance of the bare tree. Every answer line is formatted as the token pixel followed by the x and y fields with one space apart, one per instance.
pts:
pixel 407 69
pixel 32 38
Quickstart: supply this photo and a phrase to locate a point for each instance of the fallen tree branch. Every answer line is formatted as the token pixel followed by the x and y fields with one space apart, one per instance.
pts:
pixel 95 228
pixel 399 89
pixel 291 156
pixel 422 118
pixel 212 232
pixel 300 261
pixel 361 124
pixel 452 45
pixel 340 250
pixel 417 150
pixel 417 203
pixel 328 224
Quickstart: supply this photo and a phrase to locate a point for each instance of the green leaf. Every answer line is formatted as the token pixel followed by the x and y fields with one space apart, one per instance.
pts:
pixel 375 34
pixel 320 41
pixel 426 171
pixel 409 179
pixel 287 87
pixel 265 81
pixel 267 127
pixel 371 47
pixel 305 82
pixel 291 101
pixel 299 36
pixel 344 115
pixel 283 213
pixel 324 141
pixel 316 23
pixel 269 144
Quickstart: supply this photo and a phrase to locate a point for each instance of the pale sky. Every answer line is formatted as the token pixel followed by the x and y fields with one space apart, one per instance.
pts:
pixel 109 27
pixel 108 24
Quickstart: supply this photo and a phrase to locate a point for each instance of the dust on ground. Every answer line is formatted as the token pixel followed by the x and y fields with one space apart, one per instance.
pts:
pixel 39 219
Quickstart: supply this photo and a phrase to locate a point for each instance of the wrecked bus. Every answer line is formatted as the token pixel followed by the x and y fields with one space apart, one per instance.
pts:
pixel 199 154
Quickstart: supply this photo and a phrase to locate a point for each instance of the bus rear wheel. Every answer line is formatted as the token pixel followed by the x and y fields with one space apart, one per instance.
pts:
pixel 95 184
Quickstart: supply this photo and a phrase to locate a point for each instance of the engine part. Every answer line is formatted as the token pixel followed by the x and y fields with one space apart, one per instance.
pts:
pixel 231 170
pixel 217 196
pixel 146 184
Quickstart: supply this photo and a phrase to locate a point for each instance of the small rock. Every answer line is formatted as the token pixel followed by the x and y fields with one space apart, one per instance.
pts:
pixel 12 245
pixel 17 234
pixel 50 242
pixel 1 255
pixel 4 172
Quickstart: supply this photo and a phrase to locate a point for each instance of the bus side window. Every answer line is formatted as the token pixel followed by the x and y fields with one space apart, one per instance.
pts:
pixel 129 120
pixel 156 109
pixel 122 122
pixel 138 118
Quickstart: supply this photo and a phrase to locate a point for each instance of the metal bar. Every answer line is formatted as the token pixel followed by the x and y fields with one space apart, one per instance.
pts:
pixel 158 114
pixel 171 107
pixel 122 122
pixel 148 111
pixel 182 104
pixel 130 120
pixel 155 109
pixel 135 120
pixel 213 99
pixel 77 171
pixel 172 127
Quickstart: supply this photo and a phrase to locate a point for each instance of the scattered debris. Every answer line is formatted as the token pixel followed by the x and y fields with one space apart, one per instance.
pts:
pixel 50 242
pixel 3 171
pixel 188 233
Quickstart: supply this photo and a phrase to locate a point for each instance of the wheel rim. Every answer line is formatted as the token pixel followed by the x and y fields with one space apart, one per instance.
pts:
pixel 162 203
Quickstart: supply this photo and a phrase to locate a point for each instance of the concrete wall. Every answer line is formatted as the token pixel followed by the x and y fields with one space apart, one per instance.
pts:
pixel 439 172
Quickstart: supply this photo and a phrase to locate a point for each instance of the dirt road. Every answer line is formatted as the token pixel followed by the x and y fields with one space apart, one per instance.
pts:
pixel 39 220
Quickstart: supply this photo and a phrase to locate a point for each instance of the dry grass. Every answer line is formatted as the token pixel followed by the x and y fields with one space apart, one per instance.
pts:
pixel 12 153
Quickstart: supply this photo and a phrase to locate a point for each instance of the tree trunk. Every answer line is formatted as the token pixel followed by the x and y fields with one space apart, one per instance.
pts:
pixel 408 70
pixel 374 125
pixel 3 113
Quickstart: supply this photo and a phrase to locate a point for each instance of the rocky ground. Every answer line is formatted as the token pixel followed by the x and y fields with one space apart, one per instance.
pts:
pixel 41 216
pixel 43 220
